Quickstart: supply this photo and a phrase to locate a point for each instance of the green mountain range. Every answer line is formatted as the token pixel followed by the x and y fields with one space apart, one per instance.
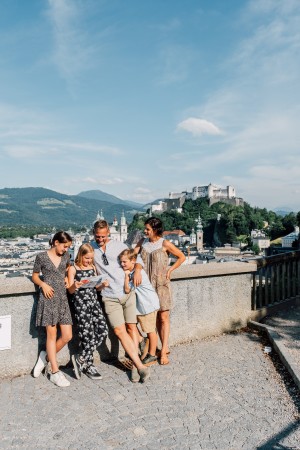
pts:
pixel 39 206
pixel 100 195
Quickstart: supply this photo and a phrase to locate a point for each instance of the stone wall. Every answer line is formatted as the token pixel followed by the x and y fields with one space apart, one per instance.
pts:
pixel 209 299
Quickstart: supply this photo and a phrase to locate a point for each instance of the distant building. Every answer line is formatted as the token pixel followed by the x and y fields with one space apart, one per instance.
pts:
pixel 193 237
pixel 118 232
pixel 77 242
pixel 175 202
pixel 227 251
pixel 177 237
pixel 259 238
pixel 159 207
pixel 212 192
pixel 287 241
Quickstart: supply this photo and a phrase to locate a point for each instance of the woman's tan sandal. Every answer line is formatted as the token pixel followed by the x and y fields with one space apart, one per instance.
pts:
pixel 164 360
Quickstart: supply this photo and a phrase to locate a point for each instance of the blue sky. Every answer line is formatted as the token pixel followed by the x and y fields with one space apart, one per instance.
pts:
pixel 140 98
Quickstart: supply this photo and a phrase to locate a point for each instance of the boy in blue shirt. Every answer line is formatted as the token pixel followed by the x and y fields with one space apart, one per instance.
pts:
pixel 147 302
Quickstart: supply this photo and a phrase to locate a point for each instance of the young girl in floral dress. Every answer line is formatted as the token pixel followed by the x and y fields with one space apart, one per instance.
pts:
pixel 92 328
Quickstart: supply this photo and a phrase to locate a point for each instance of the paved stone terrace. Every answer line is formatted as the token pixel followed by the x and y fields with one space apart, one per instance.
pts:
pixel 287 325
pixel 222 393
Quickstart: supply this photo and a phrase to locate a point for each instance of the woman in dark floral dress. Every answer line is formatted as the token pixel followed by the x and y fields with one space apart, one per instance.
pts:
pixel 92 328
pixel 53 308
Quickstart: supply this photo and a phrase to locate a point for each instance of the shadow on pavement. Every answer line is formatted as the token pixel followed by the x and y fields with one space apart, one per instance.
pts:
pixel 273 443
pixel 286 322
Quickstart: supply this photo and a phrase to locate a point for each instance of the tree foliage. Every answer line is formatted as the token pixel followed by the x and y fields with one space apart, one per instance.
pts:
pixel 235 224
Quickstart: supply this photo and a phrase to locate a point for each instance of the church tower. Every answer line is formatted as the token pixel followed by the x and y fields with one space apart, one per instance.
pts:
pixel 115 221
pixel 99 216
pixel 123 228
pixel 199 234
pixel 77 243
pixel 193 237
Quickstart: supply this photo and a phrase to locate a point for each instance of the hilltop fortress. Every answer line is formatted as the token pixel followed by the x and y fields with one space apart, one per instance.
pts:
pixel 212 192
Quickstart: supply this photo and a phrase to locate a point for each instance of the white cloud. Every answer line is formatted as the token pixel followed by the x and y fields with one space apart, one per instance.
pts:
pixel 107 181
pixel 25 133
pixel 21 122
pixel 198 127
pixel 45 148
pixel 143 198
pixel 89 180
pixel 110 181
pixel 141 190
pixel 257 7
pixel 72 51
pixel 285 172
pixel 143 195
pixel 263 189
pixel 88 147
pixel 23 151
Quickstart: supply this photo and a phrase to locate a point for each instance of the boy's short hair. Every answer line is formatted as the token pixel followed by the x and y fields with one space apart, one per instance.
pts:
pixel 129 252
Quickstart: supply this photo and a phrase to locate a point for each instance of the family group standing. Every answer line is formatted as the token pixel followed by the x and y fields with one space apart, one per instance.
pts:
pixel 134 285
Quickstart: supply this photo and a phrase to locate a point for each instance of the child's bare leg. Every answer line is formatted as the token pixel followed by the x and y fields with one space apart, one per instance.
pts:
pixel 141 337
pixel 51 346
pixel 133 333
pixel 152 342
pixel 66 336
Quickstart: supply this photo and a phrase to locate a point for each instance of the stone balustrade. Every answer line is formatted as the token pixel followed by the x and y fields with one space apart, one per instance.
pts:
pixel 209 299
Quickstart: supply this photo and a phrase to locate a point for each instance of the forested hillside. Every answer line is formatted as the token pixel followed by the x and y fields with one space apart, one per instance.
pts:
pixel 44 207
pixel 236 222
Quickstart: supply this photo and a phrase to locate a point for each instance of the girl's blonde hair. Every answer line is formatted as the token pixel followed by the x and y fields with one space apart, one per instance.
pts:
pixel 83 250
pixel 130 253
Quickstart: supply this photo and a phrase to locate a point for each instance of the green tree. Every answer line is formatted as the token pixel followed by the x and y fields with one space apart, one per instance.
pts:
pixel 289 221
pixel 255 248
pixel 138 221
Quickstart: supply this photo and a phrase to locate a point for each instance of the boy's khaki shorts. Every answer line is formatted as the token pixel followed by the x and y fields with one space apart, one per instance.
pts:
pixel 120 310
pixel 148 322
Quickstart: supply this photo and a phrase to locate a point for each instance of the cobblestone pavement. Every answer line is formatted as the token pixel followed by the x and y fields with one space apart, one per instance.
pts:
pixel 221 393
pixel 287 325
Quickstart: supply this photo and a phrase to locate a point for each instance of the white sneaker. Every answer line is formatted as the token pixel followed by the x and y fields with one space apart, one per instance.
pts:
pixel 40 364
pixel 59 379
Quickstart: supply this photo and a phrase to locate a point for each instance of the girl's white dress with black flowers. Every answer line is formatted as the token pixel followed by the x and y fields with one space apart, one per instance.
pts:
pixel 92 327
pixel 55 310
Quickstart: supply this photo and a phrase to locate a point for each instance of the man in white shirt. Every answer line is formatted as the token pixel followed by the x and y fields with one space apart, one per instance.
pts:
pixel 119 307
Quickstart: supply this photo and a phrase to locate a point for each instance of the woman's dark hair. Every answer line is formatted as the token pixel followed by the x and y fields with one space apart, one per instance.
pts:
pixel 61 236
pixel 156 225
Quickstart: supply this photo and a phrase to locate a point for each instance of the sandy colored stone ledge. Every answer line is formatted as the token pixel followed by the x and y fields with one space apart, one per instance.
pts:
pixel 213 270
